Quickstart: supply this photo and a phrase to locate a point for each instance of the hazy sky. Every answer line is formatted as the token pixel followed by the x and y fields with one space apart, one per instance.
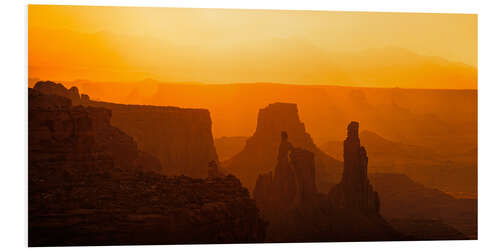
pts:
pixel 218 45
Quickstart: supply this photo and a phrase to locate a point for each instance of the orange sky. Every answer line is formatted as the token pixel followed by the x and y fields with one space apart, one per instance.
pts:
pixel 225 46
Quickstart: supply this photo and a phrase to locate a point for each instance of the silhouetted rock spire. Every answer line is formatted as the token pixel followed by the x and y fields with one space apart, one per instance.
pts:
pixel 296 211
pixel 284 148
pixel 302 162
pixel 355 191
pixel 294 178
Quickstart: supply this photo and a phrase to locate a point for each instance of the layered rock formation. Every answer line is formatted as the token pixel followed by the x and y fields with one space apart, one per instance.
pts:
pixel 355 191
pixel 52 88
pixel 180 138
pixel 86 187
pixel 296 211
pixel 259 154
pixel 65 135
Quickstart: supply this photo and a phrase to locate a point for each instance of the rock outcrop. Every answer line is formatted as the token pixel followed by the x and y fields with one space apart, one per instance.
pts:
pixel 89 185
pixel 296 211
pixel 65 135
pixel 355 191
pixel 293 182
pixel 305 175
pixel 52 88
pixel 180 138
pixel 259 153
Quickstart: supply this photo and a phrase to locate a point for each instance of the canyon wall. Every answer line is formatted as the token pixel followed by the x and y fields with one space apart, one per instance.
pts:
pixel 180 138
pixel 259 153
pixel 88 184
pixel 64 135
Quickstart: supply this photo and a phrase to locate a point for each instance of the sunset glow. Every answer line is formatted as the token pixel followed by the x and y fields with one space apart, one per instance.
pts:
pixel 173 45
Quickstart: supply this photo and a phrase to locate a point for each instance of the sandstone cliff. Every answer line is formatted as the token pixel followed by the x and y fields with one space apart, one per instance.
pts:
pixel 65 135
pixel 180 138
pixel 296 211
pixel 52 88
pixel 86 187
pixel 259 153
pixel 355 191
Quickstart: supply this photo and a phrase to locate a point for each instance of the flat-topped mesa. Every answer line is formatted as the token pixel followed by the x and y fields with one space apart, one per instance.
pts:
pixel 180 138
pixel 259 154
pixel 355 191
pixel 277 117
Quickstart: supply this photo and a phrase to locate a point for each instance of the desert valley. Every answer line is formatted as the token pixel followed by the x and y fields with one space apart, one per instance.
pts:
pixel 111 173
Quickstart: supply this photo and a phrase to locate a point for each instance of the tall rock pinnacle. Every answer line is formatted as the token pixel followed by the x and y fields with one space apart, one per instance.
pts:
pixel 289 199
pixel 293 183
pixel 355 191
